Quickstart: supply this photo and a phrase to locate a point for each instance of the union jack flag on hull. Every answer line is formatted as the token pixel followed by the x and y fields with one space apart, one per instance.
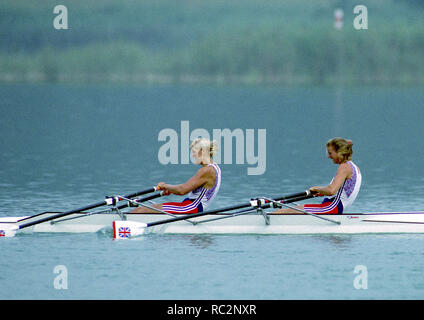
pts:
pixel 2 233
pixel 124 232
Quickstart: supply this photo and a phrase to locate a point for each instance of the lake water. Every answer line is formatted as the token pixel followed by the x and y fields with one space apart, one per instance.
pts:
pixel 63 146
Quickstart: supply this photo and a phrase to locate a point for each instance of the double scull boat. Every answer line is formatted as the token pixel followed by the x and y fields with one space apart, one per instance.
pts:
pixel 247 218
pixel 226 223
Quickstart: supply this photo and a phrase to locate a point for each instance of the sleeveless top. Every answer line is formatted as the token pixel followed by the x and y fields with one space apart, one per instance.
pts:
pixel 203 195
pixel 350 189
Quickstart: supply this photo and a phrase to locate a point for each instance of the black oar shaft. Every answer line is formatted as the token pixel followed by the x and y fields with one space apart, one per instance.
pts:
pixel 140 193
pixel 286 199
pixel 296 196
pixel 88 207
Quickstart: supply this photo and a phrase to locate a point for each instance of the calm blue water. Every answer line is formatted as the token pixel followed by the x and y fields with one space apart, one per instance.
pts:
pixel 67 146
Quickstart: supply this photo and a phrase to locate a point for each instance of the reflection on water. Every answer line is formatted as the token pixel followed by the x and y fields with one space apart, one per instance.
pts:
pixel 337 241
pixel 201 241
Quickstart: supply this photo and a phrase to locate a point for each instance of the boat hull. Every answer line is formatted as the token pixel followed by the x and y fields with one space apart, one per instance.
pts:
pixel 410 222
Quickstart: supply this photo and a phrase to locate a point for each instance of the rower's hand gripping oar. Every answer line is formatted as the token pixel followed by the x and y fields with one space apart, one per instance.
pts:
pixel 127 229
pixel 10 229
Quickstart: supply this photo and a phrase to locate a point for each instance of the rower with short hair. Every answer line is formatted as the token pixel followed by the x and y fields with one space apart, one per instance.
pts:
pixel 202 188
pixel 343 188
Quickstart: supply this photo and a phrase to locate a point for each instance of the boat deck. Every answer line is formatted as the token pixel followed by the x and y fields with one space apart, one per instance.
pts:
pixel 227 223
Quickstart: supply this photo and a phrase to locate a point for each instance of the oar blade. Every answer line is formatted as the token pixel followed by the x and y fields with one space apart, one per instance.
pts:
pixel 128 229
pixel 8 230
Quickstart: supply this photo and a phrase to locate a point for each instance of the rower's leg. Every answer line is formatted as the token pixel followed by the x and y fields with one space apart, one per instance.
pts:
pixel 289 210
pixel 142 209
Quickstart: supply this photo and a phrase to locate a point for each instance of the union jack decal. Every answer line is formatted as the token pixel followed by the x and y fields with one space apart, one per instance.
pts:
pixel 2 233
pixel 124 232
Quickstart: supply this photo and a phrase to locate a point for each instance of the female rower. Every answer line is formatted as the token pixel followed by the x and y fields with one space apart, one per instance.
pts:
pixel 344 187
pixel 201 188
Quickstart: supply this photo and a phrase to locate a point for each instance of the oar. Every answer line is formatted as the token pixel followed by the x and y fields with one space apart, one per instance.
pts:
pixel 126 229
pixel 9 230
pixel 279 204
pixel 129 203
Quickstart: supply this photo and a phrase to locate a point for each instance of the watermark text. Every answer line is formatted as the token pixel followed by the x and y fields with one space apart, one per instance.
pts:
pixel 250 146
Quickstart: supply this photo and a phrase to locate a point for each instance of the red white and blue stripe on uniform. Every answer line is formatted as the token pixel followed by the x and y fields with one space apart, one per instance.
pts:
pixel 187 206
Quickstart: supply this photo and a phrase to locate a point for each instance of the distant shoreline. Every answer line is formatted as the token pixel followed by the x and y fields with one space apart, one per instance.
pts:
pixel 217 42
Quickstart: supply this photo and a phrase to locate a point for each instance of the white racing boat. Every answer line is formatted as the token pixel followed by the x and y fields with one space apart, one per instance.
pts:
pixel 222 223
pixel 247 218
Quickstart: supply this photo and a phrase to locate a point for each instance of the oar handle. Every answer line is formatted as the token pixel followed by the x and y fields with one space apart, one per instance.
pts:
pixel 300 195
pixel 140 193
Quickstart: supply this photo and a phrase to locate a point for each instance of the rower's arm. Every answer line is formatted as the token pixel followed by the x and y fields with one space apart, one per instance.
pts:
pixel 343 172
pixel 199 179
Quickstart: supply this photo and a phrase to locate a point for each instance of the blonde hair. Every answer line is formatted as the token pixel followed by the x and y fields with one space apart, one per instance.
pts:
pixel 208 148
pixel 342 147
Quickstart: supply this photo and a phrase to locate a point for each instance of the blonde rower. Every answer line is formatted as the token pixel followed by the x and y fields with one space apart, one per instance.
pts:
pixel 343 189
pixel 202 188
